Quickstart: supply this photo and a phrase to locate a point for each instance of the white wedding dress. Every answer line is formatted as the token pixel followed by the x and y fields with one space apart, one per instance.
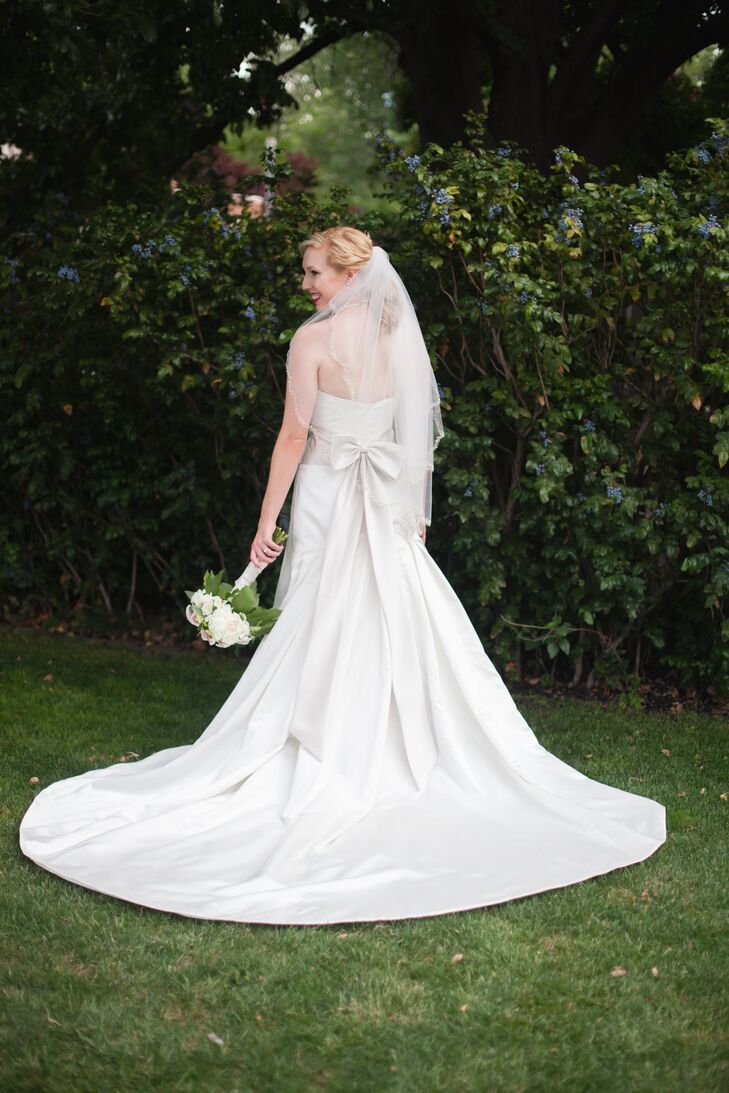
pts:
pixel 369 764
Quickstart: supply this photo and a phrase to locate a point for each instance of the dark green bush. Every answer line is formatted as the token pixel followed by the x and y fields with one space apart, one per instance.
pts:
pixel 578 331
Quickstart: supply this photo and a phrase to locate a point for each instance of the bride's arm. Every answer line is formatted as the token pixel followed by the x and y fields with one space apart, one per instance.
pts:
pixel 301 394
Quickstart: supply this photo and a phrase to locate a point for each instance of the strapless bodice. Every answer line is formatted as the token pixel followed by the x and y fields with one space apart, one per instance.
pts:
pixel 364 422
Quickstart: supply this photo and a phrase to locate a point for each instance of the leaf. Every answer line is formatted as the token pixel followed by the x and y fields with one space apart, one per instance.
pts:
pixel 619 971
pixel 456 958
pixel 216 1039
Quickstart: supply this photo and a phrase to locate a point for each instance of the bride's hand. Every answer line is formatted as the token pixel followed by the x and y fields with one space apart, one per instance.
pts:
pixel 263 549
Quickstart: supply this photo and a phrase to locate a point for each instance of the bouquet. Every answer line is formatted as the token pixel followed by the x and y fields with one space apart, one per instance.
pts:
pixel 230 614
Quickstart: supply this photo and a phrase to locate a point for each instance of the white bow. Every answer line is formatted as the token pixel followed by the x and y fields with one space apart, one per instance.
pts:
pixel 382 456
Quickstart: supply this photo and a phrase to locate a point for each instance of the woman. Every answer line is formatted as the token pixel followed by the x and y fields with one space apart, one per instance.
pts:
pixel 370 763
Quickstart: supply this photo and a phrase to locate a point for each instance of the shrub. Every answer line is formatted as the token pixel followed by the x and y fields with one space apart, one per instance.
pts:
pixel 577 326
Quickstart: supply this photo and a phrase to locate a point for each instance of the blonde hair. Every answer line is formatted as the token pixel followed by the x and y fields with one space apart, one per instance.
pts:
pixel 347 248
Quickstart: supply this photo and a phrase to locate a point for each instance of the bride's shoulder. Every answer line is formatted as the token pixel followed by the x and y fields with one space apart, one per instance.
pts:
pixel 310 338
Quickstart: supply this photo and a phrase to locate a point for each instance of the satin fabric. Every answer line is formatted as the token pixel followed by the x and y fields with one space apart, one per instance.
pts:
pixel 370 763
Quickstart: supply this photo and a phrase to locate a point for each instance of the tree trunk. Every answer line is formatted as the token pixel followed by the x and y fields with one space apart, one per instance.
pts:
pixel 441 54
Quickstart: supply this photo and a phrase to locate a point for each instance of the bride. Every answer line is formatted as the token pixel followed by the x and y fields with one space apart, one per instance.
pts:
pixel 370 763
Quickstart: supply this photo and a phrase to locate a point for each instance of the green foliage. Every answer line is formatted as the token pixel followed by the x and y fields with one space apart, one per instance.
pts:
pixel 143 368
pixel 579 331
pixel 577 327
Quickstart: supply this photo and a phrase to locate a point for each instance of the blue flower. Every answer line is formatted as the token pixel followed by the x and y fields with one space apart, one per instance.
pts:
pixel 557 157
pixel 503 152
pixel 539 468
pixel 703 154
pixel 639 229
pixel 494 210
pixel 616 493
pixel 412 162
pixel 68 273
pixel 588 426
pixel 442 197
pixel 709 226
pixel 660 509
pixel 581 496
pixel 571 218
pixel 587 292
pixel 185 279
pixel 239 359
pixel 544 438
pixel 249 313
pixel 232 393
pixel 168 242
pixel 573 179
pixel 514 185
pixel 706 497
pixel 482 307
pixel 525 296
pixel 445 217
pixel 512 251
pixel 12 264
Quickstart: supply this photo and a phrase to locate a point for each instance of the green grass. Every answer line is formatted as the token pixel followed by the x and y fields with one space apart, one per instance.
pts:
pixel 100 995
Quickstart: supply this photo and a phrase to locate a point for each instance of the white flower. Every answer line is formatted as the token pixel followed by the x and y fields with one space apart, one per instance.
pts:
pixel 227 627
pixel 204 602
pixel 192 615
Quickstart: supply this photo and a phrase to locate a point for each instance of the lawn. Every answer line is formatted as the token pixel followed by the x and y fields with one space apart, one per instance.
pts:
pixel 99 995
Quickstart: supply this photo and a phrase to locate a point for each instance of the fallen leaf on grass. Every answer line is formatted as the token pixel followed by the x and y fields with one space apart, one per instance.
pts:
pixel 702 791
pixel 343 934
pixel 52 1020
pixel 464 1007
pixel 724 796
pixel 48 679
pixel 216 1039
pixel 456 958
pixel 619 971
pixel 645 896
pixel 654 973
pixel 34 781
pixel 666 752
pixel 258 1017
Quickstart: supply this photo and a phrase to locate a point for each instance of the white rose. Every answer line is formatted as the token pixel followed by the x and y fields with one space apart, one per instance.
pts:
pixel 243 631
pixel 222 624
pixel 204 602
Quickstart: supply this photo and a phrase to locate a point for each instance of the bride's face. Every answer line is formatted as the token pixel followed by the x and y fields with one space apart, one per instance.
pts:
pixel 320 279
